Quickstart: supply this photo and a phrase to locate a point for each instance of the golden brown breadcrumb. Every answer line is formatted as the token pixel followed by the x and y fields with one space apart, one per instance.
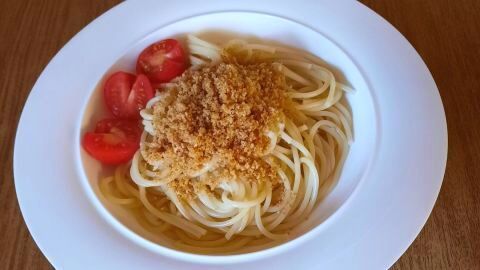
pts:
pixel 218 115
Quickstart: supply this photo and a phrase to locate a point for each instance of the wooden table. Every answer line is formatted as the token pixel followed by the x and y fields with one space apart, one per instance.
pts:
pixel 445 33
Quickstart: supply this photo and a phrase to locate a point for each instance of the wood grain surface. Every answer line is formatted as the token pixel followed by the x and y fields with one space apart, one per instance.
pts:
pixel 445 33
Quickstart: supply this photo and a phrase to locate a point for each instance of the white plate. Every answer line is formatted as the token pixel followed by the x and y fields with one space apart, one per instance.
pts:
pixel 386 192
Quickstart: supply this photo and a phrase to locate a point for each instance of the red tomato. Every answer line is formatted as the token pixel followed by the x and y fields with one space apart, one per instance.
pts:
pixel 114 141
pixel 162 61
pixel 125 95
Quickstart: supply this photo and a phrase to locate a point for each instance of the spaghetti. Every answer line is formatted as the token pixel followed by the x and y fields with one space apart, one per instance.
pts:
pixel 238 150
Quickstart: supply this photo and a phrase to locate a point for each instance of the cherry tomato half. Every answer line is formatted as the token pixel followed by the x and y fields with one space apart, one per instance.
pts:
pixel 125 95
pixel 162 61
pixel 114 141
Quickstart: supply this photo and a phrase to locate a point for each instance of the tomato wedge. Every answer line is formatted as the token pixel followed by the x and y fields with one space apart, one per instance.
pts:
pixel 114 141
pixel 162 61
pixel 126 94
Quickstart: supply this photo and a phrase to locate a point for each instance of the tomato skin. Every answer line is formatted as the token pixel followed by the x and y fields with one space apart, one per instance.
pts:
pixel 114 141
pixel 162 61
pixel 126 94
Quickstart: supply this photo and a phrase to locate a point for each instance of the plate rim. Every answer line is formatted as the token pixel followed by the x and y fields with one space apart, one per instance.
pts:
pixel 122 5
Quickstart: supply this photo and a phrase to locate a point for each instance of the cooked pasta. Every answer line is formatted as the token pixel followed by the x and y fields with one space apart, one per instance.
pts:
pixel 238 150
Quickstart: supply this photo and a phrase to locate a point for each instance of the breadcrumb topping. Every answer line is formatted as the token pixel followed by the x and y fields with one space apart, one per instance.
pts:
pixel 212 125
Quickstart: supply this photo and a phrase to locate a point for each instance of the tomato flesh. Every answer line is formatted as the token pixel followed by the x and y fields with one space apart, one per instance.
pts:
pixel 114 141
pixel 126 94
pixel 162 61
pixel 142 92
